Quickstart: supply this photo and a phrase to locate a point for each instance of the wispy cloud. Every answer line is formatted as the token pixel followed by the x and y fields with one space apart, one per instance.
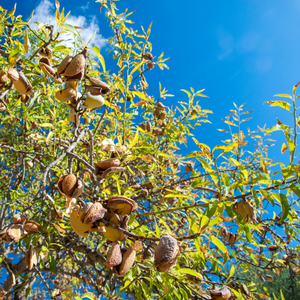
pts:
pixel 45 13
pixel 226 43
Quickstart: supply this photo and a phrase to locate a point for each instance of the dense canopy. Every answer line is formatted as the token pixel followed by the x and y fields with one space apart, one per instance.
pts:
pixel 97 199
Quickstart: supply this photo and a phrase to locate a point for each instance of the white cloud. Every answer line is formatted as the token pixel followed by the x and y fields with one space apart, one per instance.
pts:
pixel 45 13
pixel 225 42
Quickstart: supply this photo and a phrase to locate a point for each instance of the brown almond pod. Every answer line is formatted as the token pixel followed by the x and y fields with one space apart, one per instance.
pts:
pixel 76 77
pixel 85 209
pixel 69 186
pixel 273 248
pixel 47 69
pixel 74 118
pixel 22 85
pixel 127 261
pixel 94 209
pixel 64 64
pixel 24 98
pixel 99 83
pixel 14 232
pixel 158 132
pixel 166 253
pixel 31 257
pixel 3 76
pixel 150 65
pixel 46 52
pixel 76 65
pixel 32 227
pixel 220 294
pixel 18 219
pixel 147 56
pixel 45 60
pixel 114 256
pixel 13 74
pixel 94 90
pixel 121 205
pixel 108 163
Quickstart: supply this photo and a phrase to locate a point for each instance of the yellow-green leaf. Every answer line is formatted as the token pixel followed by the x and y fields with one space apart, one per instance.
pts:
pixel 101 59
pixel 218 243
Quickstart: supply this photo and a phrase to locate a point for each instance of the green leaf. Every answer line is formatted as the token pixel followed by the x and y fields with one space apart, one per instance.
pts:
pixel 135 139
pixel 282 104
pixel 284 206
pixel 14 52
pixel 101 59
pixel 72 29
pixel 52 264
pixel 283 95
pixel 218 243
pixel 241 167
pixel 232 269
pixel 295 190
pixel 190 272
pixel 212 207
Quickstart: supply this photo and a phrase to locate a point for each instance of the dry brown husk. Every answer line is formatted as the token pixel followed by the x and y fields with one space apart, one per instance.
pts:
pixel 74 118
pixel 127 261
pixel 24 98
pixel 44 64
pixel 76 65
pixel 147 56
pixel 76 77
pixel 95 82
pixel 110 165
pixel 14 232
pixel 114 256
pixel 94 213
pixel 18 219
pixel 31 258
pixel 121 205
pixel 166 253
pixel 70 186
pixel 22 85
pixel 3 77
pixel 13 74
pixel 46 52
pixel 220 294
pixel 32 227
pixel 64 64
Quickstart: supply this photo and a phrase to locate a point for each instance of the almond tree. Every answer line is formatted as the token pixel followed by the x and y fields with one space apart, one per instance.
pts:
pixel 96 199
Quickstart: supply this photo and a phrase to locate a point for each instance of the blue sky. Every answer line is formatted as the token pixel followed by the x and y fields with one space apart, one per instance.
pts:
pixel 239 51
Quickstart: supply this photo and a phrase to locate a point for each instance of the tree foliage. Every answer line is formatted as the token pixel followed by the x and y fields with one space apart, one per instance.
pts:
pixel 93 177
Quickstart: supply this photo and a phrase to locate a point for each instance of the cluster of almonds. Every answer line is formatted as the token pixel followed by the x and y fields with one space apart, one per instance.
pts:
pixel 88 218
pixel 245 209
pixel 229 237
pixel 107 166
pixel 72 69
pixel 120 260
pixel 20 81
pixel 149 57
pixel 13 232
pixel 160 114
